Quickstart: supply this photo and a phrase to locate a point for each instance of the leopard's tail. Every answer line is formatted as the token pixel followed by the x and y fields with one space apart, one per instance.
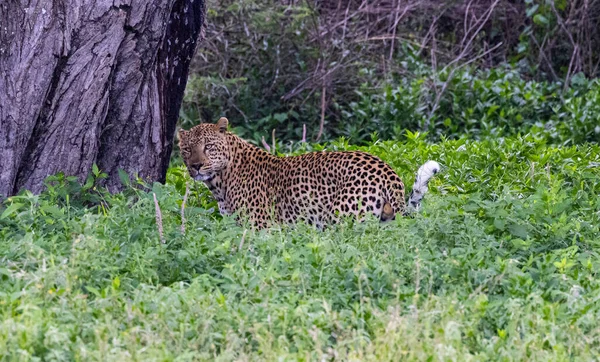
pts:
pixel 424 174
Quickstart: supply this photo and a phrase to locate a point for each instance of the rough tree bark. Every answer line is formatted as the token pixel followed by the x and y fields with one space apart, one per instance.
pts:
pixel 91 81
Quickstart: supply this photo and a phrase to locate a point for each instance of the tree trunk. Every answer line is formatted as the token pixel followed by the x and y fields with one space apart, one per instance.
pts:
pixel 84 82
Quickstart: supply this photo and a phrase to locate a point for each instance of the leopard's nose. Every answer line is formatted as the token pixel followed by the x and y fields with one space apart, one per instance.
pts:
pixel 196 167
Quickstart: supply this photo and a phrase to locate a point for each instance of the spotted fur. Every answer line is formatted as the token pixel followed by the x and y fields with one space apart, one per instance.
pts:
pixel 317 187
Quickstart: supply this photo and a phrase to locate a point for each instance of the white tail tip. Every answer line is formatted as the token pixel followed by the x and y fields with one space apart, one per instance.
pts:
pixel 424 174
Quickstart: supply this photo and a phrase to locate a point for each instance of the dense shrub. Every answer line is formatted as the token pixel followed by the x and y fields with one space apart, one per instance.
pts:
pixel 496 102
pixel 502 262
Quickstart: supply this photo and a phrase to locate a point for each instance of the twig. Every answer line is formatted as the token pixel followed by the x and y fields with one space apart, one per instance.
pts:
pixel 462 54
pixel 438 97
pixel 477 31
pixel 570 70
pixel 265 144
pixel 274 144
pixel 187 192
pixel 575 60
pixel 480 55
pixel 543 55
pixel 303 132
pixel 238 109
pixel 417 275
pixel 467 28
pixel 243 238
pixel 532 171
pixel 314 78
pixel 396 21
pixel 159 223
pixel 562 24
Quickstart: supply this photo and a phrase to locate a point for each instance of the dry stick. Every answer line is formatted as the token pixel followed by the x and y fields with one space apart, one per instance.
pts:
pixel 433 48
pixel 417 278
pixel 439 94
pixel 432 53
pixel 396 21
pixel 187 192
pixel 239 110
pixel 273 137
pixel 562 23
pixel 462 54
pixel 159 223
pixel 477 31
pixel 243 238
pixel 467 28
pixel 575 54
pixel 423 44
pixel 265 144
pixel 313 78
pixel 345 22
pixel 543 54
pixel 480 55
pixel 303 132
pixel 568 77
pixel 322 123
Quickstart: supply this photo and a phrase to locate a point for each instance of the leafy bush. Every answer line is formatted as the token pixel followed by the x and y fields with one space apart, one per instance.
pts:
pixel 502 262
pixel 496 103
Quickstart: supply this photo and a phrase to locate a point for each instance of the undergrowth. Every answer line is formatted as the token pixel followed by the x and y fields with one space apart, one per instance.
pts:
pixel 501 263
pixel 351 68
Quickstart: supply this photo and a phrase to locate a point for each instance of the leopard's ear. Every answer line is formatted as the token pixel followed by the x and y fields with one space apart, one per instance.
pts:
pixel 222 124
pixel 182 135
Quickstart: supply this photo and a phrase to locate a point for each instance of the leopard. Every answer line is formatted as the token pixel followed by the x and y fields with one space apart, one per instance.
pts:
pixel 318 188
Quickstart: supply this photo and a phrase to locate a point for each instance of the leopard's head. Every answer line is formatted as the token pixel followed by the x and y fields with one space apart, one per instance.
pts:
pixel 204 149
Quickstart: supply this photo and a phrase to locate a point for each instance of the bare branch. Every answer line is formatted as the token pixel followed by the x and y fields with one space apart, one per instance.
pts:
pixel 185 197
pixel 159 223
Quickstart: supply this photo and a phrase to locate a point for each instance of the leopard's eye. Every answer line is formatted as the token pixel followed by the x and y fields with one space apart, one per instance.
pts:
pixel 209 147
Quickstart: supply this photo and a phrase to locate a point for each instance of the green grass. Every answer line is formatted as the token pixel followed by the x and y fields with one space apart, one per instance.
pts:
pixel 501 263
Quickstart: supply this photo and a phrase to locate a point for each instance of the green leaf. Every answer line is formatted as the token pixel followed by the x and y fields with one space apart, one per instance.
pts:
pixel 532 10
pixel 499 224
pixel 520 243
pixel 95 170
pixel 519 231
pixel 124 177
pixel 52 210
pixel 540 19
pixel 116 283
pixel 10 210
pixel 492 109
pixel 93 290
pixel 89 182
pixel 280 117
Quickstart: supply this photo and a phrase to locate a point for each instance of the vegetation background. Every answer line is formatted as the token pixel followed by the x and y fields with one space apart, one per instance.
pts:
pixel 501 263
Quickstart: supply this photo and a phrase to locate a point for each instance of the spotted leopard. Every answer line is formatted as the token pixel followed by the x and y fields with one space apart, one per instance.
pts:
pixel 317 187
